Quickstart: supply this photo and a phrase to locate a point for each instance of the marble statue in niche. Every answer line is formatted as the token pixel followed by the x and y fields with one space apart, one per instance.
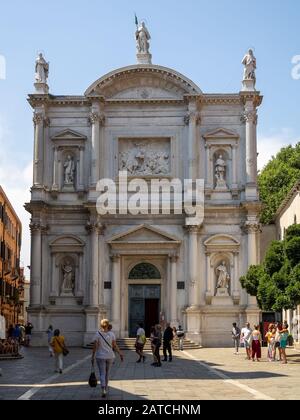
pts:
pixel 69 170
pixel 220 172
pixel 68 277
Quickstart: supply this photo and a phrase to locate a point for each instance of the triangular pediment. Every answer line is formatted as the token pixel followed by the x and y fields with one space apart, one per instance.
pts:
pixel 68 134
pixel 144 233
pixel 220 133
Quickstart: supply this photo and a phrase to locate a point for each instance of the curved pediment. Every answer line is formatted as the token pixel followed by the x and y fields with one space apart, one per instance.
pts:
pixel 66 243
pixel 222 242
pixel 143 82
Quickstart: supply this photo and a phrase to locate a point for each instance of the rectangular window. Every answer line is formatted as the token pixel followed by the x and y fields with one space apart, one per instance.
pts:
pixel 180 285
pixel 107 285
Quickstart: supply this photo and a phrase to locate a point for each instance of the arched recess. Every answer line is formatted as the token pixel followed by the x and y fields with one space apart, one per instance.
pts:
pixel 63 249
pixel 144 270
pixel 222 247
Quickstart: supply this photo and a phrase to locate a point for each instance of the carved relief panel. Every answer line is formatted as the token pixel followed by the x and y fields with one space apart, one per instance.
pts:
pixel 145 156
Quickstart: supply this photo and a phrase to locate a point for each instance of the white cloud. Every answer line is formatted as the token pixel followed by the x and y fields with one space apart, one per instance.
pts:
pixel 269 145
pixel 16 179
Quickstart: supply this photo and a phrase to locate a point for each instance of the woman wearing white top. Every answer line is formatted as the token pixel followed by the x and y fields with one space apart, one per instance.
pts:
pixel 104 347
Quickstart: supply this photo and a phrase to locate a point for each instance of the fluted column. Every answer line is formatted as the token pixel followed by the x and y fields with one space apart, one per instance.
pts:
pixel 116 298
pixel 173 290
pixel 101 247
pixel 35 264
pixel 38 120
pixel 234 166
pixel 193 286
pixel 95 228
pixel 252 227
pixel 192 119
pixel 94 119
pixel 55 169
pixel 81 167
pixel 250 119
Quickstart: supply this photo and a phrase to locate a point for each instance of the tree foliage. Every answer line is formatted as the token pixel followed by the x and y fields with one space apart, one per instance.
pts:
pixel 276 282
pixel 277 178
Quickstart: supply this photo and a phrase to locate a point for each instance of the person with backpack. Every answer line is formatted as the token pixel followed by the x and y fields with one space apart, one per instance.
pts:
pixel 140 342
pixel 180 335
pixel 235 333
pixel 168 337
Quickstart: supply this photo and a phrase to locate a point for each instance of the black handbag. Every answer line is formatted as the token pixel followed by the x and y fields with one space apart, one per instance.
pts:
pixel 92 379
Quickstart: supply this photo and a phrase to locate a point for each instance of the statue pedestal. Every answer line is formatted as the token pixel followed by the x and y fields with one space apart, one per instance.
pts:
pixel 248 85
pixel 68 186
pixel 66 292
pixel 222 291
pixel 41 88
pixel 221 193
pixel 222 297
pixel 221 185
pixel 144 58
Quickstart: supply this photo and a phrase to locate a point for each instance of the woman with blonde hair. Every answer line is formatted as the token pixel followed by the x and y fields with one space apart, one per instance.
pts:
pixel 103 350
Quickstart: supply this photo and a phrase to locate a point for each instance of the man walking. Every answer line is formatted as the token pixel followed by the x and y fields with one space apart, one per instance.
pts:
pixel 235 332
pixel 168 337
pixel 246 339
pixel 180 334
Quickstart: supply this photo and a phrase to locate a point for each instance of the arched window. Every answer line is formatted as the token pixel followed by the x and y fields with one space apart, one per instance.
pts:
pixel 144 271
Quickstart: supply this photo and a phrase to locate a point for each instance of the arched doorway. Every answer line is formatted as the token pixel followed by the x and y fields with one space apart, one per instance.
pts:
pixel 143 298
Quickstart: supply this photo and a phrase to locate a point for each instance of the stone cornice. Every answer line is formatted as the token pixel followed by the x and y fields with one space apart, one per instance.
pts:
pixel 255 97
pixel 219 98
pixel 202 99
pixel 74 100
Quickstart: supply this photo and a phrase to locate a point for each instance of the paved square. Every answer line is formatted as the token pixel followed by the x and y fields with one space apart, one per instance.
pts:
pixel 202 374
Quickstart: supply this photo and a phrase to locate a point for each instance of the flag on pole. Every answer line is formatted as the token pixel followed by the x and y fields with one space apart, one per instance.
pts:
pixel 136 19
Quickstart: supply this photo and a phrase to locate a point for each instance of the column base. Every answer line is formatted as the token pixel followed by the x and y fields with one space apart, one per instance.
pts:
pixel 193 324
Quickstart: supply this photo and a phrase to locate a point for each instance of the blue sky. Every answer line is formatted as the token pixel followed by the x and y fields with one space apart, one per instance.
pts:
pixel 83 40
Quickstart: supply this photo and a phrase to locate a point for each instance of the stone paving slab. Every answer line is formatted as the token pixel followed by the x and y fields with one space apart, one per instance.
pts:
pixel 215 374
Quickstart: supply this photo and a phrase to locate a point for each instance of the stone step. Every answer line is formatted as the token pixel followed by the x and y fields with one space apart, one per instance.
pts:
pixel 128 344
pixel 10 356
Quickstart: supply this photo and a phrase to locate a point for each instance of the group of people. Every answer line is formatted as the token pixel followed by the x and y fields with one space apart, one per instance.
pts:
pixel 105 347
pixel 15 336
pixel 168 338
pixel 251 340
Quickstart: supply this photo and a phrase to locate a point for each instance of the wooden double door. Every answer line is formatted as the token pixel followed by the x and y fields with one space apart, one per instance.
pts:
pixel 143 306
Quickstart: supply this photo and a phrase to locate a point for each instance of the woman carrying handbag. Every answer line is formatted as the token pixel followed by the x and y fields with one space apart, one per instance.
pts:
pixel 103 350
pixel 59 349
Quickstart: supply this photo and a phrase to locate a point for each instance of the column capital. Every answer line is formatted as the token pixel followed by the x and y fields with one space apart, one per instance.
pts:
pixel 38 118
pixel 249 116
pixel 95 227
pixel 173 258
pixel 251 226
pixel 192 229
pixel 192 116
pixel 115 258
pixel 96 117
pixel 36 227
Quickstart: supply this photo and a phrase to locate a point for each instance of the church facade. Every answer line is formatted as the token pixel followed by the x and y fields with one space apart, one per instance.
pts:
pixel 154 123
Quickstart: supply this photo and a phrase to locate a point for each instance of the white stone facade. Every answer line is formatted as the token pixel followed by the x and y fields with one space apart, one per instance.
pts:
pixel 155 112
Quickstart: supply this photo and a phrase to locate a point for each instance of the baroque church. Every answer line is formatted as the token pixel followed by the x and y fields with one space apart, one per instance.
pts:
pixel 154 123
